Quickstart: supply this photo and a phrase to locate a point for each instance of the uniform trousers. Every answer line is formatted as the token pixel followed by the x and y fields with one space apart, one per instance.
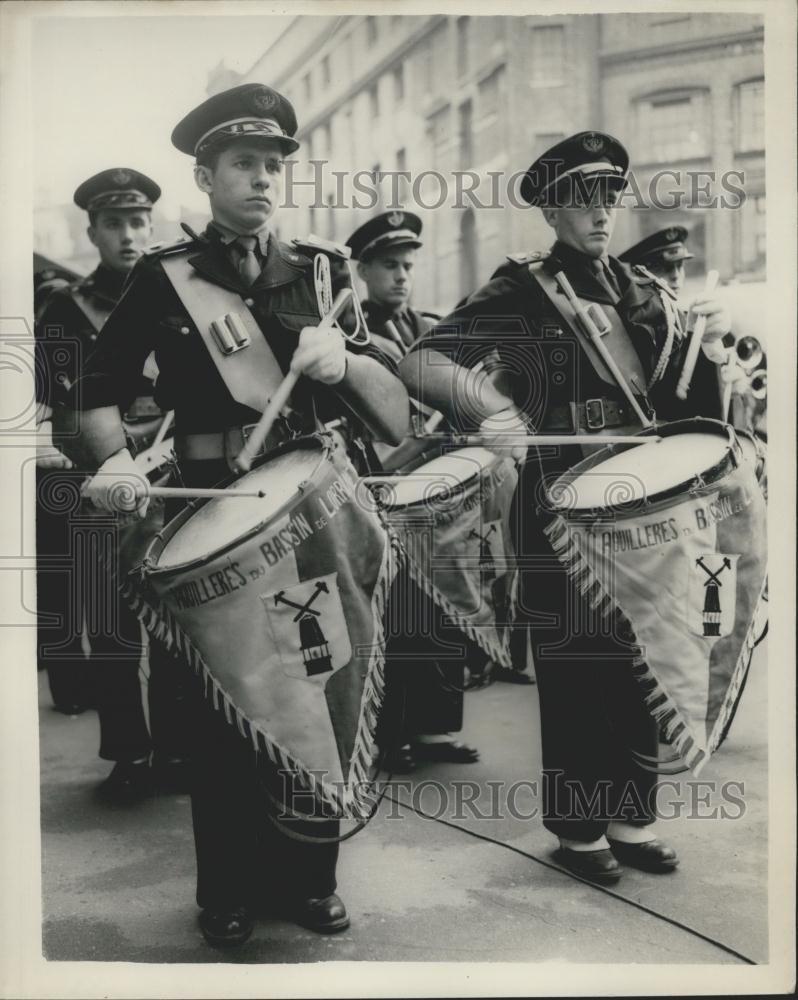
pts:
pixel 595 729
pixel 246 852
pixel 89 640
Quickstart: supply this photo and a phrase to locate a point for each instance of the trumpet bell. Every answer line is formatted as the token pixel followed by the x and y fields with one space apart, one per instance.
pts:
pixel 759 383
pixel 749 353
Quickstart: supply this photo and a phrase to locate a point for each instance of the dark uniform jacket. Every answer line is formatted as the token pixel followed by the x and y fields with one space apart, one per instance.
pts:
pixel 513 317
pixel 409 323
pixel 151 317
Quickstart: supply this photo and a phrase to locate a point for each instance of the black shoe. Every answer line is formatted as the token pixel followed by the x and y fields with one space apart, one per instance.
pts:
pixel 512 676
pixel 70 708
pixel 325 916
pixel 650 856
pixel 127 781
pixel 225 928
pixel 595 866
pixel 399 761
pixel 172 775
pixel 450 751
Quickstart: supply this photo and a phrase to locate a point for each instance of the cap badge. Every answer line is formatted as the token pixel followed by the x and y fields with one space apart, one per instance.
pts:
pixel 593 143
pixel 121 177
pixel 395 219
pixel 671 234
pixel 262 101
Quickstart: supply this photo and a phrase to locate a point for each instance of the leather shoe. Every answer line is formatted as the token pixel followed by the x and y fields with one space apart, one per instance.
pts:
pixel 595 866
pixel 399 761
pixel 450 751
pixel 173 774
pixel 225 928
pixel 128 780
pixel 325 916
pixel 650 856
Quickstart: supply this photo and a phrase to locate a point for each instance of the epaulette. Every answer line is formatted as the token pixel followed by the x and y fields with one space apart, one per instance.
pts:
pixel 313 244
pixel 530 257
pixel 164 248
pixel 643 272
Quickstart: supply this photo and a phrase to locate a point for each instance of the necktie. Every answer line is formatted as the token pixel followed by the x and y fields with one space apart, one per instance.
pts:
pixel 402 324
pixel 607 280
pixel 248 263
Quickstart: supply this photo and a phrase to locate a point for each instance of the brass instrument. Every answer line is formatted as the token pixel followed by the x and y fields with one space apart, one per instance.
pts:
pixel 753 360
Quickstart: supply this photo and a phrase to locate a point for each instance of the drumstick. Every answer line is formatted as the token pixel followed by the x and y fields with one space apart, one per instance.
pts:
pixel 695 342
pixel 390 328
pixel 243 461
pixel 731 359
pixel 188 493
pixel 167 423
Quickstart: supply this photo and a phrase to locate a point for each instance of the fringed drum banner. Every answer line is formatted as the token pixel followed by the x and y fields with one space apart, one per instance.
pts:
pixel 452 516
pixel 278 602
pixel 673 535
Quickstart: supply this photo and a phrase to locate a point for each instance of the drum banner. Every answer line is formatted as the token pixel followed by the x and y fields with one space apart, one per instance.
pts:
pixel 460 553
pixel 286 628
pixel 689 576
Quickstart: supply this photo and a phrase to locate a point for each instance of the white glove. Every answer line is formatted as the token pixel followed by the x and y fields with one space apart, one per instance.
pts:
pixel 118 485
pixel 717 315
pixel 506 425
pixel 47 455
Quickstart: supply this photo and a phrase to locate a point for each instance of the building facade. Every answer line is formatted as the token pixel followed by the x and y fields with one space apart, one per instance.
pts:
pixel 448 110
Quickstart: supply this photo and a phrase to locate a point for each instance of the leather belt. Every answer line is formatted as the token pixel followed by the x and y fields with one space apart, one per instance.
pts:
pixel 593 415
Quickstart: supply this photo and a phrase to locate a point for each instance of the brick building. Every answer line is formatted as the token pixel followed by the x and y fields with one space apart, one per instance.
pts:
pixel 419 94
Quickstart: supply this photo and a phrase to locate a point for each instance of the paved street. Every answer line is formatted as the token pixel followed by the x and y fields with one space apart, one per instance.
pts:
pixel 118 882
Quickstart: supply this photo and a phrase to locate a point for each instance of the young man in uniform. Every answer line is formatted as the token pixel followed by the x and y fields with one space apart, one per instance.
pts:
pixel 119 204
pixel 239 139
pixel 663 253
pixel 431 697
pixel 594 723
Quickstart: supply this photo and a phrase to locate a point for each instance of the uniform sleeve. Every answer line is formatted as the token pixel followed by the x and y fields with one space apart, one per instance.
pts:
pixel 476 327
pixel 112 374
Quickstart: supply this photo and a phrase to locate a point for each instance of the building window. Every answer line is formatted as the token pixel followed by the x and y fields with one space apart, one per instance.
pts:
pixel 374 102
pixel 462 45
pixel 326 78
pixel 307 86
pixel 371 30
pixel 399 84
pixel 491 113
pixel 439 134
pixel 468 253
pixel 673 126
pixel 401 167
pixel 548 54
pixel 749 121
pixel 752 234
pixel 465 132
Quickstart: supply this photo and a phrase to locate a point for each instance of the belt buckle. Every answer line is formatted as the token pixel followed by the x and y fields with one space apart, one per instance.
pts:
pixel 594 414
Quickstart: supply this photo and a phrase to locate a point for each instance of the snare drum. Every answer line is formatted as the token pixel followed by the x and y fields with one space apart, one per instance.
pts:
pixel 278 603
pixel 672 534
pixel 452 515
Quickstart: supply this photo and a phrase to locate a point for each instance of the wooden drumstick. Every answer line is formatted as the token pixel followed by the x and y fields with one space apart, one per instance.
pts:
pixel 243 461
pixel 189 493
pixel 695 342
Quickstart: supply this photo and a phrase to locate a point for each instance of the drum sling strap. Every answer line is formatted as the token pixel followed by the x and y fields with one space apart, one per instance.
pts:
pixel 252 374
pixel 617 339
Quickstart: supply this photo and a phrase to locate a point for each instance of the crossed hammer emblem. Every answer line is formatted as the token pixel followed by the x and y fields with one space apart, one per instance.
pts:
pixel 713 577
pixel 306 608
pixel 483 538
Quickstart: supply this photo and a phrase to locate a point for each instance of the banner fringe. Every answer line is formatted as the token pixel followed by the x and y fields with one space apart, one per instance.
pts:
pixel 349 803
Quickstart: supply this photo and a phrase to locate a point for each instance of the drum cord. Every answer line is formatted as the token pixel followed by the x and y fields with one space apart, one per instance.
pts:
pixel 577 878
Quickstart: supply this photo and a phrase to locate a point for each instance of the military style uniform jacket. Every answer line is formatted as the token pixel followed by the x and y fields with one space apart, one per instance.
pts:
pixel 151 317
pixel 410 323
pixel 548 370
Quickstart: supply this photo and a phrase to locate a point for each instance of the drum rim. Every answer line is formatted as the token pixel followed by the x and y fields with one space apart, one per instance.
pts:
pixel 730 460
pixel 423 501
pixel 325 444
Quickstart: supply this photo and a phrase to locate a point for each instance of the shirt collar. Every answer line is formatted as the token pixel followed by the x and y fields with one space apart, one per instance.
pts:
pixel 228 236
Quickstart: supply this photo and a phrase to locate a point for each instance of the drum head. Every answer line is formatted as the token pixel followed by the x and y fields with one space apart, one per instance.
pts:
pixel 221 520
pixel 642 472
pixel 436 478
